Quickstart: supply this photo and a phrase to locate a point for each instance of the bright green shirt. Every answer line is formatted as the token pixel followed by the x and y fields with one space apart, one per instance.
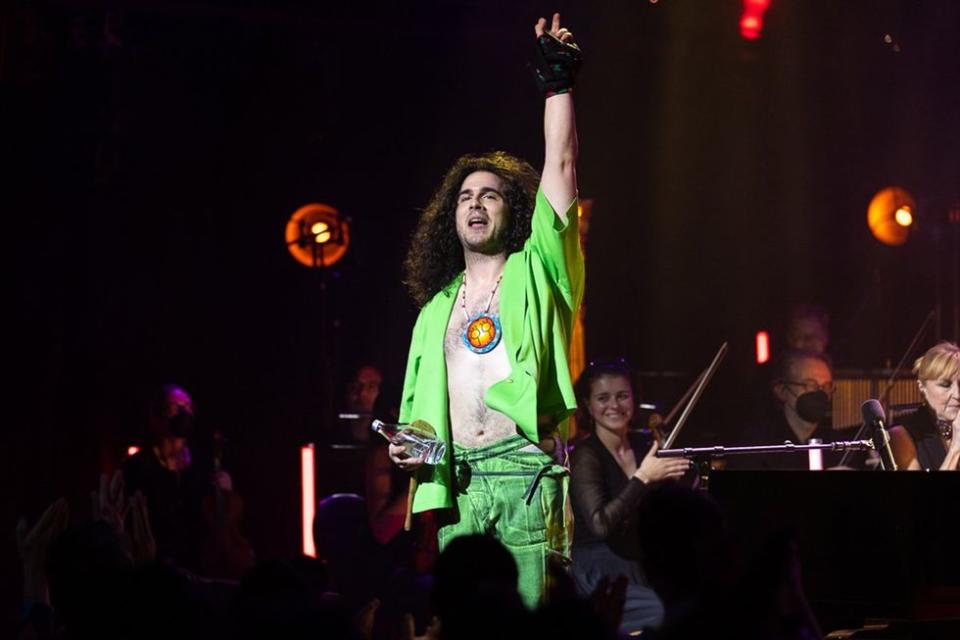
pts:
pixel 540 294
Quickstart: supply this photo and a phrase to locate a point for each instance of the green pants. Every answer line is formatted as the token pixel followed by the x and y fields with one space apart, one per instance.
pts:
pixel 519 497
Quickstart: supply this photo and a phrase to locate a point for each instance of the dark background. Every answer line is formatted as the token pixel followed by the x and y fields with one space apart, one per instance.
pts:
pixel 147 179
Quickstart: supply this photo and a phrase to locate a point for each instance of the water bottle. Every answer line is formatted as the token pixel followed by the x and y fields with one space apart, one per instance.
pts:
pixel 419 439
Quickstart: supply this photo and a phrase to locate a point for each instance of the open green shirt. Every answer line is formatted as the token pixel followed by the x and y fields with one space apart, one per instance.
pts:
pixel 540 294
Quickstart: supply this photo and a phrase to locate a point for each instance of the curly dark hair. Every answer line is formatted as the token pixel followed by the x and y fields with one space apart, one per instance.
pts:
pixel 436 255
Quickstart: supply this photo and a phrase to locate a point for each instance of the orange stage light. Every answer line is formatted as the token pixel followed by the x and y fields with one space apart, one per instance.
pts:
pixel 903 216
pixel 317 235
pixel 891 214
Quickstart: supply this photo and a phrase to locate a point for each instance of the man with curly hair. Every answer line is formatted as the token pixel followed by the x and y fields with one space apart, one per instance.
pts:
pixel 496 266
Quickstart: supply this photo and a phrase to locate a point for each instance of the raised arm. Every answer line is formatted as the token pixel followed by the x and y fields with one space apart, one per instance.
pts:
pixel 557 66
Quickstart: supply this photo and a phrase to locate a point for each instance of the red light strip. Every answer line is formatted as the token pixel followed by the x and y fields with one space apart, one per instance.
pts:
pixel 763 347
pixel 308 504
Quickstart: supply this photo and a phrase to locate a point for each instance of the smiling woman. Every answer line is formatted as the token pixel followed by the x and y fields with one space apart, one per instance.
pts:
pixel 610 472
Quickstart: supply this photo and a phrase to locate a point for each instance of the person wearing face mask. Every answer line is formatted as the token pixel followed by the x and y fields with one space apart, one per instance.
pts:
pixel 797 410
pixel 611 471
pixel 173 482
pixel 929 438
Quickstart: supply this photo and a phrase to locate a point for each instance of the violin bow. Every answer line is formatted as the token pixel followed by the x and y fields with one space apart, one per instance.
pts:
pixel 695 390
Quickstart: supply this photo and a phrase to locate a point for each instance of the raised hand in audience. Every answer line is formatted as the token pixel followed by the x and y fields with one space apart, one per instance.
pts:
pixel 128 517
pixel 608 599
pixel 34 544
pixel 410 627
pixel 108 502
pixel 143 546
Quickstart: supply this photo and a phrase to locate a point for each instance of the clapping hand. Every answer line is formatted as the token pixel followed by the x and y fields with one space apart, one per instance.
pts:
pixel 34 544
pixel 955 437
pixel 951 461
pixel 608 600
pixel 654 469
pixel 432 632
pixel 109 503
pixel 143 546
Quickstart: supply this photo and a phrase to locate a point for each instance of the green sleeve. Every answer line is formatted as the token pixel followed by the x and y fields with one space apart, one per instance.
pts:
pixel 413 369
pixel 558 245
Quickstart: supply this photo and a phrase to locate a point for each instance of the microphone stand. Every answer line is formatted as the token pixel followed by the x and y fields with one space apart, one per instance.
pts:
pixel 893 378
pixel 881 442
pixel 705 455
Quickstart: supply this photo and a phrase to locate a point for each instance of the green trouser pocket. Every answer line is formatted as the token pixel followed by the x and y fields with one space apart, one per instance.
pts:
pixel 497 500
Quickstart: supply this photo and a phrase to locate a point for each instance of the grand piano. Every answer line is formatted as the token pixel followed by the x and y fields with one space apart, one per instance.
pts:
pixel 873 545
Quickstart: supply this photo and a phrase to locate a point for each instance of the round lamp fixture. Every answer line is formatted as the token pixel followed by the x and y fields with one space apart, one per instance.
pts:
pixel 891 215
pixel 317 235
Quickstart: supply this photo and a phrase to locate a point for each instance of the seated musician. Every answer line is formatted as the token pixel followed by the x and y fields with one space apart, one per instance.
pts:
pixel 808 328
pixel 177 481
pixel 796 410
pixel 929 438
pixel 611 471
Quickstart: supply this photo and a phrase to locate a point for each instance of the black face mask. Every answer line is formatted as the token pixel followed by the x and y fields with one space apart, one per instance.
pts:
pixel 180 424
pixel 813 406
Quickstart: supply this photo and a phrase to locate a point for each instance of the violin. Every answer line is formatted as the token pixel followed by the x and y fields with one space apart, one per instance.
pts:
pixel 226 553
pixel 655 424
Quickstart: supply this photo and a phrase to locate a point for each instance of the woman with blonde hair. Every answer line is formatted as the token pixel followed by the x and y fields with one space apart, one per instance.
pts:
pixel 929 438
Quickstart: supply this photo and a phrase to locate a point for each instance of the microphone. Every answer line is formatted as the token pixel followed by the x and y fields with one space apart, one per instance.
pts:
pixel 874 417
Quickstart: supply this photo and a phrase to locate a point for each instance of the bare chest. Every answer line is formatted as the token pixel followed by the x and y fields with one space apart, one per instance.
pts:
pixel 469 375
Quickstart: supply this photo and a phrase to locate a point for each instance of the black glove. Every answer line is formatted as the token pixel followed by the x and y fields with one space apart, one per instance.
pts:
pixel 555 65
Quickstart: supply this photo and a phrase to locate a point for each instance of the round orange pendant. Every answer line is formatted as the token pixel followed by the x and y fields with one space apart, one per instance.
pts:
pixel 482 333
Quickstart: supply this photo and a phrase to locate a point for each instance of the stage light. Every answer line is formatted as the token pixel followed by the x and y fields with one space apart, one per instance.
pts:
pixel 132 450
pixel 584 210
pixel 321 232
pixel 751 21
pixel 317 235
pixel 891 214
pixel 308 498
pixel 763 347
pixel 750 27
pixel 903 216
